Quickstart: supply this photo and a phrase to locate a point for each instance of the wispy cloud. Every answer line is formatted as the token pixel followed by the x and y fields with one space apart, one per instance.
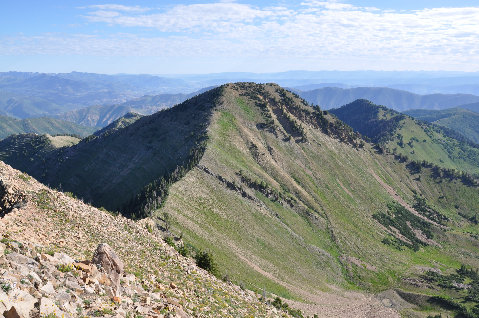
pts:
pixel 187 18
pixel 117 7
pixel 315 31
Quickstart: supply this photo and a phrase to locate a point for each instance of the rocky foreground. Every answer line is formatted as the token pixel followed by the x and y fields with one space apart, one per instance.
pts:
pixel 61 257
pixel 35 284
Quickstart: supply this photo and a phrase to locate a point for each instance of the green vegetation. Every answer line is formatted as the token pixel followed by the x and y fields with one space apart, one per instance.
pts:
pixel 278 303
pixel 24 177
pixel 406 223
pixel 24 151
pixel 462 121
pixel 462 288
pixel 6 287
pixel 205 260
pixel 103 312
pixel 402 135
pixel 65 268
pixel 43 125
pixel 278 209
pixel 122 122
pixel 160 149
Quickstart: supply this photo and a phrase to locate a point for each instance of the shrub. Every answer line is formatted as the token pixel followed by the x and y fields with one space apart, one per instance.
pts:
pixel 205 260
pixel 183 250
pixel 169 240
pixel 65 268
pixel 6 287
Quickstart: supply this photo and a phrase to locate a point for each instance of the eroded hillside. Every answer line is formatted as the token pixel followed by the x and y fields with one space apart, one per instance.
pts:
pixel 290 200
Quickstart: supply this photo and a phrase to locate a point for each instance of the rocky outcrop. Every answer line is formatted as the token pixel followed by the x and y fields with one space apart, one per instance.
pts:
pixel 107 260
pixel 35 284
pixel 38 284
pixel 10 198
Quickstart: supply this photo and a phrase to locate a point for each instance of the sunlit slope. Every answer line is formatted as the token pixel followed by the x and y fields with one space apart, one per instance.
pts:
pixel 409 137
pixel 462 121
pixel 292 212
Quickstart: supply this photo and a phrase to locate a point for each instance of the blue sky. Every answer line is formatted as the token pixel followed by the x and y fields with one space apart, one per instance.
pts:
pixel 168 37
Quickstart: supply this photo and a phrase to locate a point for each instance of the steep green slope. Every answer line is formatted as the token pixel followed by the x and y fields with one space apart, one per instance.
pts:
pixel 43 125
pixel 286 198
pixel 462 121
pixel 406 136
pixel 296 216
pixel 30 150
pixel 122 122
pixel 126 163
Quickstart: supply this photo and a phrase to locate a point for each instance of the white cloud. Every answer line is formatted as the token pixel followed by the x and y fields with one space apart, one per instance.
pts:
pixel 314 32
pixel 208 16
pixel 118 7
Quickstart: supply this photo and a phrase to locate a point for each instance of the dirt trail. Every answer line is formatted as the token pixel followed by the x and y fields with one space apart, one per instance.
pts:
pixel 400 200
pixel 337 303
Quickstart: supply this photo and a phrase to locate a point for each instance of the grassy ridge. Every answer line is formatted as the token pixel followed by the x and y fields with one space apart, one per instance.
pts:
pixel 416 140
pixel 327 233
pixel 43 125
pixel 125 162
pixel 462 121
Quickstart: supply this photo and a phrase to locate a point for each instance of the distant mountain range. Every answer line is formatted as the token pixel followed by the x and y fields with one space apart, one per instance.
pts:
pixel 43 125
pixel 102 115
pixel 26 95
pixel 333 97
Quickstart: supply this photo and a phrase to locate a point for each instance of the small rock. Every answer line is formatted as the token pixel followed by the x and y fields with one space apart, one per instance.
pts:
pixel 121 312
pixel 47 306
pixel 173 286
pixel 47 289
pixel 89 290
pixel 82 266
pixel 103 279
pixel 12 313
pixel 62 259
pixel 34 278
pixel 130 278
pixel 46 258
pixel 24 302
pixel 142 310
pixel 62 297
pixel 70 308
pixel 20 259
pixel 174 302
pixel 181 313
pixel 72 284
